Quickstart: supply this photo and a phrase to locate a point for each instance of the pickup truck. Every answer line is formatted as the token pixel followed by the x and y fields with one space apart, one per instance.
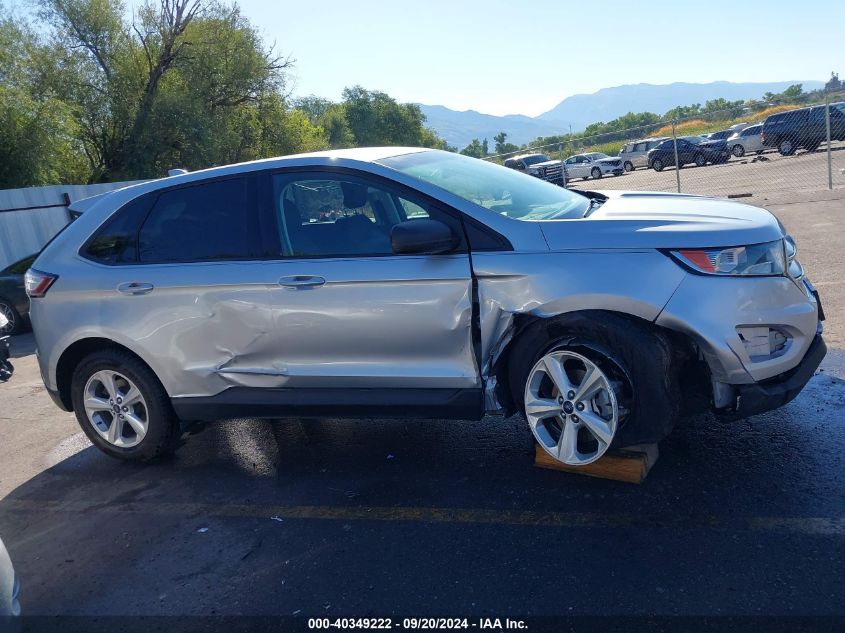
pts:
pixel 540 166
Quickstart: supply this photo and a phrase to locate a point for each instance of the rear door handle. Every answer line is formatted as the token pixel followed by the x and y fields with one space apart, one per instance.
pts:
pixel 135 288
pixel 301 281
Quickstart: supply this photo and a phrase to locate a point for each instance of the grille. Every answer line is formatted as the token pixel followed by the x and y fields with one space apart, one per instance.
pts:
pixel 553 171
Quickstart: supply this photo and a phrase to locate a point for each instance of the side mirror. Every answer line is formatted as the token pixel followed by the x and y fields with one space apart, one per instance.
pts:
pixel 419 237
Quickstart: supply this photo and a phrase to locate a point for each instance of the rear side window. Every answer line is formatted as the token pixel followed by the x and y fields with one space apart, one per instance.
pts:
pixel 116 242
pixel 210 221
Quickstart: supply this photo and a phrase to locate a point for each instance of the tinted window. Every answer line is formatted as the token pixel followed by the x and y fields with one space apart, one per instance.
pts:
pixel 327 215
pixel 117 241
pixel 209 221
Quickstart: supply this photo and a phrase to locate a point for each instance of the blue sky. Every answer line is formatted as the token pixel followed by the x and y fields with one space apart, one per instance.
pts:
pixel 505 57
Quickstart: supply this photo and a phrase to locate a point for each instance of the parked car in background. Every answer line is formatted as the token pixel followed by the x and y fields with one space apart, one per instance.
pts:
pixel 14 303
pixel 6 368
pixel 635 153
pixel 803 128
pixel 10 606
pixel 447 287
pixel 593 165
pixel 721 135
pixel 691 149
pixel 539 166
pixel 746 141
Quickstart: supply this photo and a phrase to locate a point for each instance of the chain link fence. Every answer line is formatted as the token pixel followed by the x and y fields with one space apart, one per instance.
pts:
pixel 736 152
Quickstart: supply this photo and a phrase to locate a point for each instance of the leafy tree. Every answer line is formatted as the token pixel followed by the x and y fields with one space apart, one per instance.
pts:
pixel 476 149
pixel 503 147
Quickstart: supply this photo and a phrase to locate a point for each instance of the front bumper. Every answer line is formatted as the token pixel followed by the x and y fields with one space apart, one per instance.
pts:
pixel 776 392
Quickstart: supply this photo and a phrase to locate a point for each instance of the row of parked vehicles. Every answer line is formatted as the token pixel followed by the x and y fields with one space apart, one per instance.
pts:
pixel 786 132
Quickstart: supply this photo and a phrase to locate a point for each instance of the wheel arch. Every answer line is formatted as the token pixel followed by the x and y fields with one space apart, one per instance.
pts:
pixel 71 357
pixel 684 350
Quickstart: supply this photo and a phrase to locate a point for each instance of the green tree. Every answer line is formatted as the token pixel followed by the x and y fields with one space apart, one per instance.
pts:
pixel 476 149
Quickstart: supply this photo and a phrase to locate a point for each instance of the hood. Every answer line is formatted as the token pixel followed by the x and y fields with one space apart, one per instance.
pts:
pixel 629 219
pixel 609 159
pixel 548 163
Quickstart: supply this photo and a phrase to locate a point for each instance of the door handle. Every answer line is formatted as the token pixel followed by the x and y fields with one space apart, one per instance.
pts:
pixel 302 281
pixel 135 288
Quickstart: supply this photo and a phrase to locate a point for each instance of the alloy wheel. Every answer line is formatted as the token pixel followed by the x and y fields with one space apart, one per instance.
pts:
pixel 629 166
pixel 116 409
pixel 571 407
pixel 10 314
pixel 657 164
pixel 738 151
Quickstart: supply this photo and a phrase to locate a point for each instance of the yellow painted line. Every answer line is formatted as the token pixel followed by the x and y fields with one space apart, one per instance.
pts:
pixel 794 525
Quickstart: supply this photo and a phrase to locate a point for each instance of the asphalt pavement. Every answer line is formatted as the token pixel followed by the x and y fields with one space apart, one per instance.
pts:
pixel 405 518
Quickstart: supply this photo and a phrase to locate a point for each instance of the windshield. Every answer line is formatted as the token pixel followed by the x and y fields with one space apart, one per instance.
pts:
pixel 492 186
pixel 533 160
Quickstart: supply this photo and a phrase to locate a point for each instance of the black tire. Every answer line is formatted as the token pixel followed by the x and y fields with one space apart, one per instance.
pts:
pixel 738 150
pixel 639 357
pixel 164 429
pixel 629 166
pixel 15 319
pixel 786 147
pixel 700 160
pixel 595 173
pixel 657 164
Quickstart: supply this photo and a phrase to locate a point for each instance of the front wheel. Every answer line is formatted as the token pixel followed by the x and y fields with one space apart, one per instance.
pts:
pixel 595 172
pixel 122 407
pixel 629 166
pixel 699 160
pixel 14 324
pixel 657 164
pixel 593 381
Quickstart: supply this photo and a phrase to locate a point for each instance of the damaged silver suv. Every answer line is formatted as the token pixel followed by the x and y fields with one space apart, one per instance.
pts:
pixel 408 282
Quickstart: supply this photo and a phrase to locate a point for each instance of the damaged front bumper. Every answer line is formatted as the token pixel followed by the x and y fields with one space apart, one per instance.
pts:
pixel 6 368
pixel 775 392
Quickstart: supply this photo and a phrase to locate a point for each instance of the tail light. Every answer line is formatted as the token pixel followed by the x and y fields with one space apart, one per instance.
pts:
pixel 38 283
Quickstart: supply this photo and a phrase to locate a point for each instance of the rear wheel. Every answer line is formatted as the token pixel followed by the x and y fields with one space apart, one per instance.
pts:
pixel 593 381
pixel 122 407
pixel 629 166
pixel 595 172
pixel 15 322
pixel 699 160
pixel 738 150
pixel 786 148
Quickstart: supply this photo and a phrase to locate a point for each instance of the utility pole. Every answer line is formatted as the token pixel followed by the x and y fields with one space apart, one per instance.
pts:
pixel 827 132
pixel 677 166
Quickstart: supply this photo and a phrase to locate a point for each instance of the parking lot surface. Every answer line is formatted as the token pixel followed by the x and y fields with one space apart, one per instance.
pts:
pixel 410 518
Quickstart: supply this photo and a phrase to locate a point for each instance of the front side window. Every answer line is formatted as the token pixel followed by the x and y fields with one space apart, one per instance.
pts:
pixel 333 215
pixel 491 186
pixel 203 222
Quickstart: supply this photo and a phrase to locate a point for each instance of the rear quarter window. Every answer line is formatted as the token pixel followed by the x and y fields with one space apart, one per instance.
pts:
pixel 116 242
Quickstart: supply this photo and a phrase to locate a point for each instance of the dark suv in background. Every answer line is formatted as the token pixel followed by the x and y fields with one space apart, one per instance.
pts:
pixel 803 128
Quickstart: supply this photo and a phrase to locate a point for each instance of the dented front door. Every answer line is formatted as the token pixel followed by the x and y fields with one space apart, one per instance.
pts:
pixel 374 322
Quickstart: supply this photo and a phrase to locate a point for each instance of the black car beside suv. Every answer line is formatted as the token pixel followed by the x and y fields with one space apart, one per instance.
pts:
pixel 689 151
pixel 803 128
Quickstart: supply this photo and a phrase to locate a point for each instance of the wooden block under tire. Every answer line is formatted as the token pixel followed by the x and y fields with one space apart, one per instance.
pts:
pixel 630 464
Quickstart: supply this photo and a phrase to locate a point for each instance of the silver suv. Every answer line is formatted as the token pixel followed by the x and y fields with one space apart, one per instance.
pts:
pixel 408 282
pixel 635 154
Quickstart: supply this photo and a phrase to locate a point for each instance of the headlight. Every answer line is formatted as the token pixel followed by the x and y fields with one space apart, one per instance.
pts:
pixel 757 259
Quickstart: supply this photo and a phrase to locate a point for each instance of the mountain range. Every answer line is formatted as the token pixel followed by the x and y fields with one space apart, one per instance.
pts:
pixel 580 110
